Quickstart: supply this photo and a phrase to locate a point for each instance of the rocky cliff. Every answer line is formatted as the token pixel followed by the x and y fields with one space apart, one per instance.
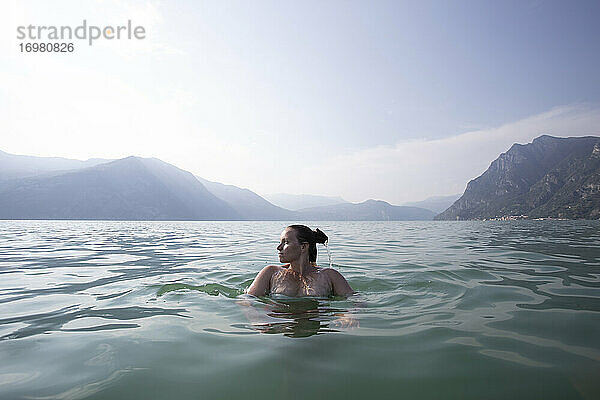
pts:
pixel 550 177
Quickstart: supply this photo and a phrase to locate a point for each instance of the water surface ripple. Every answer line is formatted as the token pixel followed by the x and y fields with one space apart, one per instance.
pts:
pixel 469 310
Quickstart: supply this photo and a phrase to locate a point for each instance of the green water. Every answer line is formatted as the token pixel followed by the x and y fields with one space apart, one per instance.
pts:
pixel 463 310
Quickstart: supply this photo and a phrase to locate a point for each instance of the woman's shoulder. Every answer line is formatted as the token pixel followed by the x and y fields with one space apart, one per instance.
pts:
pixel 260 285
pixel 340 284
pixel 327 270
pixel 273 269
pixel 332 274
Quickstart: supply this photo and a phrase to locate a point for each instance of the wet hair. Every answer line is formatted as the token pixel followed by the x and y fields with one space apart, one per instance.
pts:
pixel 306 235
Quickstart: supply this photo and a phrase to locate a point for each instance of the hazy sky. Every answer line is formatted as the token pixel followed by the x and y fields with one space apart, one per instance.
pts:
pixel 389 100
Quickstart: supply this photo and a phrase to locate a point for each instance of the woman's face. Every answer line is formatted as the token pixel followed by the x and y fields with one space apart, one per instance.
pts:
pixel 289 248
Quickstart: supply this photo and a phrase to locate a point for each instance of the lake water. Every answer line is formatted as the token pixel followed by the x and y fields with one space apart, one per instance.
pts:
pixel 463 310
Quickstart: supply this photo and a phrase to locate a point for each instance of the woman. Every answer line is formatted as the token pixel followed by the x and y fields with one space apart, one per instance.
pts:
pixel 300 276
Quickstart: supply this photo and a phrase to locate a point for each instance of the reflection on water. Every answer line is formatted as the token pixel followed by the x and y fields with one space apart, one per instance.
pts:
pixel 301 317
pixel 97 309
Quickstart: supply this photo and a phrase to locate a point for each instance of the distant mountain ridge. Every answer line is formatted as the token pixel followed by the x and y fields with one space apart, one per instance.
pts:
pixel 131 188
pixel 135 188
pixel 246 203
pixel 299 201
pixel 370 210
pixel 550 177
pixel 436 204
pixel 18 166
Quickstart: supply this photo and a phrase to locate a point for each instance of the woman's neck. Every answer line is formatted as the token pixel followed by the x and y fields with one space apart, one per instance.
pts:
pixel 301 267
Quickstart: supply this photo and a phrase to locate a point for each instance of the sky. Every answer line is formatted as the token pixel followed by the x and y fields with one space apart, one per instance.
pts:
pixel 396 101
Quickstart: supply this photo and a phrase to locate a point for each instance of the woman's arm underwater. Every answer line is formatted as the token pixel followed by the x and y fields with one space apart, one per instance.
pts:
pixel 341 287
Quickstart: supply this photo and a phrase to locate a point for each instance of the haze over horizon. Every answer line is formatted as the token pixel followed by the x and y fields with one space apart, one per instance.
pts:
pixel 392 101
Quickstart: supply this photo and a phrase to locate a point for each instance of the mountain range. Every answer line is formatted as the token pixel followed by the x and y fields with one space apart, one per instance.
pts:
pixel 297 202
pixel 435 203
pixel 550 177
pixel 135 188
pixel 17 166
pixel 247 203
pixel 127 189
pixel 370 210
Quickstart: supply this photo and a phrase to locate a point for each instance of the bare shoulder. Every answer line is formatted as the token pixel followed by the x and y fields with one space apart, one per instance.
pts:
pixel 273 268
pixel 277 269
pixel 332 273
pixel 270 270
pixel 262 282
pixel 339 283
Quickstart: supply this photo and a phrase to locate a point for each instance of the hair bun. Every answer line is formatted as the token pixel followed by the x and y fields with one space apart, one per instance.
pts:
pixel 320 237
